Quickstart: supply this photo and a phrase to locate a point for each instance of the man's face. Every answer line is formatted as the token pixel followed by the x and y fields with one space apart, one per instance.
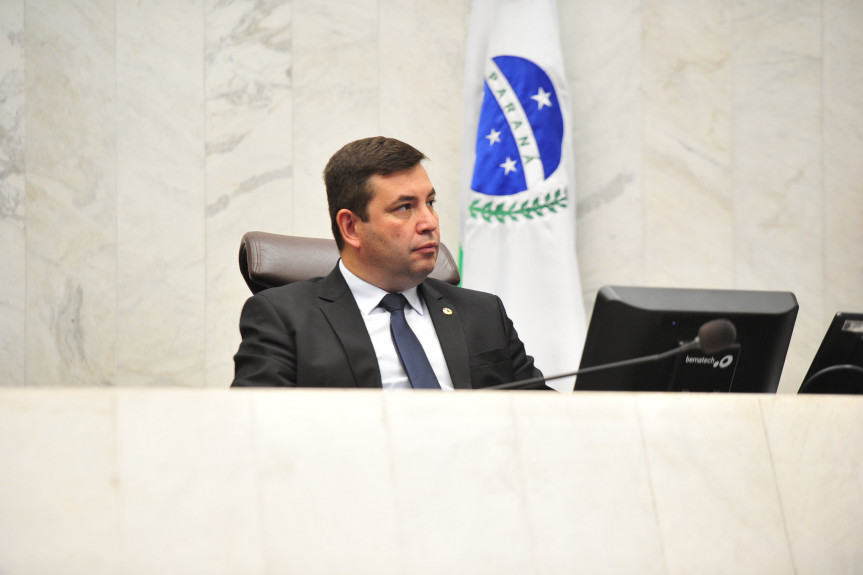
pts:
pixel 399 243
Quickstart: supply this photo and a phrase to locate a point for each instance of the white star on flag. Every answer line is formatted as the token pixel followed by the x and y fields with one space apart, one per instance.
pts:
pixel 542 98
pixel 493 137
pixel 508 166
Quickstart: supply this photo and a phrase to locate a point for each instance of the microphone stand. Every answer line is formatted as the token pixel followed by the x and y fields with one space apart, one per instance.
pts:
pixel 689 346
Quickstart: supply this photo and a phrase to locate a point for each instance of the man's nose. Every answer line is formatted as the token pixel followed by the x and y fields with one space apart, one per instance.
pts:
pixel 428 219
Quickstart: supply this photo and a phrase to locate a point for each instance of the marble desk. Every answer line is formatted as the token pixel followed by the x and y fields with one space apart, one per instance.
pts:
pixel 303 481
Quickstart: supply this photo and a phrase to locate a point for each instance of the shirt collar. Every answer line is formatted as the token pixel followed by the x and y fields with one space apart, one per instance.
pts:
pixel 368 296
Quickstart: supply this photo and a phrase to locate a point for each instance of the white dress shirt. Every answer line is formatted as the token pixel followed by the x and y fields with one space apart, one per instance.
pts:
pixel 377 319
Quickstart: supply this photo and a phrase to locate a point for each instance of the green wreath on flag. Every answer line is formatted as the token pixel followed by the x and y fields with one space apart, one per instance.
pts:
pixel 528 209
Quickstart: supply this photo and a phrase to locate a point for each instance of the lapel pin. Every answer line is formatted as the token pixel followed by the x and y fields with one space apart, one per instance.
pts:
pixel 447 311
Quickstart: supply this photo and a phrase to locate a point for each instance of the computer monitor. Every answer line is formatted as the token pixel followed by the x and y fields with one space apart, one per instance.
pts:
pixel 631 322
pixel 838 364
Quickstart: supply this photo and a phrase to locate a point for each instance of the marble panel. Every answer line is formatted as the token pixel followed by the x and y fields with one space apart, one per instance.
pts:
pixel 687 144
pixel 459 483
pixel 362 481
pixel 71 229
pixel 842 150
pixel 59 509
pixel 12 195
pixel 602 44
pixel 587 487
pixel 249 164
pixel 160 194
pixel 778 182
pixel 816 457
pixel 188 482
pixel 422 50
pixel 336 55
pixel 326 482
pixel 713 485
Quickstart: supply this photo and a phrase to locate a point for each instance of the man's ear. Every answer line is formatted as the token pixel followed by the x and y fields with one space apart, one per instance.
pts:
pixel 347 222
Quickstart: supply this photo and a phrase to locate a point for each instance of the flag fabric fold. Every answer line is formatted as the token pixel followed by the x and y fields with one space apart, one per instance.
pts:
pixel 517 213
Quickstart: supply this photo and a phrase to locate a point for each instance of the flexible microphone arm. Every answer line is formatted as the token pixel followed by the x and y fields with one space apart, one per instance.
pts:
pixel 713 336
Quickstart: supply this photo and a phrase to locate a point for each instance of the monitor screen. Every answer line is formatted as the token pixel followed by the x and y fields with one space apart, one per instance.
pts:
pixel 631 322
pixel 838 364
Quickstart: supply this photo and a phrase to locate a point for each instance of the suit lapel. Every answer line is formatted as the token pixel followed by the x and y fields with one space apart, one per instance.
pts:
pixel 447 323
pixel 340 309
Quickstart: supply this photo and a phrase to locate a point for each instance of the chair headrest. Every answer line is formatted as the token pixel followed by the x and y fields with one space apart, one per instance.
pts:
pixel 270 260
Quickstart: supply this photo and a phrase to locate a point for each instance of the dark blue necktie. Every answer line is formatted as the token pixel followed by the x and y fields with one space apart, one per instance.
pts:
pixel 417 366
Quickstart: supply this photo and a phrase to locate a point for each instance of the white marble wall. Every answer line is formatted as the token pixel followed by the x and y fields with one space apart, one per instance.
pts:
pixel 309 481
pixel 717 145
pixel 13 347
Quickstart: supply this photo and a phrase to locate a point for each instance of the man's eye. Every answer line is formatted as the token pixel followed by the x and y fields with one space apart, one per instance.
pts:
pixel 403 208
pixel 431 203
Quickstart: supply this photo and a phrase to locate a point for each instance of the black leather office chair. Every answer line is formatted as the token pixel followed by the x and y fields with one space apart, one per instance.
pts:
pixel 270 260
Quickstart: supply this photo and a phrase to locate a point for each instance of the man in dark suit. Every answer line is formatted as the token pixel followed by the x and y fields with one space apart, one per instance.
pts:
pixel 341 330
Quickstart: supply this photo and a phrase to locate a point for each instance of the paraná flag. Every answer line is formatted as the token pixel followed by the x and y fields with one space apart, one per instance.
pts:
pixel 517 197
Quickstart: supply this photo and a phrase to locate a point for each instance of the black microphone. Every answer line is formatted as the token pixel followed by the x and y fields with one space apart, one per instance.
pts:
pixel 713 336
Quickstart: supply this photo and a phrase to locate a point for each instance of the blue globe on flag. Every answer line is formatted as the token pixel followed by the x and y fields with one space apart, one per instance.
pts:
pixel 519 137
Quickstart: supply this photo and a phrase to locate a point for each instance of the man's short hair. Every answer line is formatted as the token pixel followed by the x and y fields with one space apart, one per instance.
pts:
pixel 347 174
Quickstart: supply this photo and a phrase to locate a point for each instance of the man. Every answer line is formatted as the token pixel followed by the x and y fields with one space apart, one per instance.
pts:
pixel 341 330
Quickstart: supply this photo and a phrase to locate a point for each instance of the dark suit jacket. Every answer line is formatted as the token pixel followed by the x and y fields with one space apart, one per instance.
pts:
pixel 311 334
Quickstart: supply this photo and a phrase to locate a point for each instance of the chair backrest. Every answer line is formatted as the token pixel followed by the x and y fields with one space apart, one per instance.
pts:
pixel 270 260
